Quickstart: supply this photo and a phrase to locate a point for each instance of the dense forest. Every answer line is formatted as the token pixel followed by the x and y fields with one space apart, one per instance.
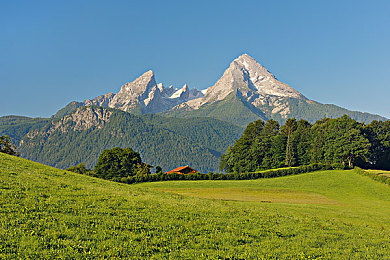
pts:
pixel 267 145
pixel 168 142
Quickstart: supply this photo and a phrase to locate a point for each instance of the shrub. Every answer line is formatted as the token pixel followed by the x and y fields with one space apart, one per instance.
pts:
pixel 116 163
pixel 379 178
pixel 81 169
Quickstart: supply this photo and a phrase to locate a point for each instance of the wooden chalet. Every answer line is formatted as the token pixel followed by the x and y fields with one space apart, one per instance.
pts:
pixel 182 170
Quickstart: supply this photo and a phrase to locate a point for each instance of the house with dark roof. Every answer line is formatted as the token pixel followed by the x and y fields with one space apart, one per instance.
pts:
pixel 182 170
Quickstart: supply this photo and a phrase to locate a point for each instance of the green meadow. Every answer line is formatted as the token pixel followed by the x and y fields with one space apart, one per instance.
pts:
pixel 47 213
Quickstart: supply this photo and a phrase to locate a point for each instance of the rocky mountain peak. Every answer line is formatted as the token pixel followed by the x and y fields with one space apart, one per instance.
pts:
pixel 181 93
pixel 252 80
pixel 143 83
pixel 246 62
pixel 82 118
pixel 133 92
pixel 144 95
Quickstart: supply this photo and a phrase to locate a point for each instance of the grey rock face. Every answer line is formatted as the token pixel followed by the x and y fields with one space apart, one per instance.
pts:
pixel 145 96
pixel 253 82
pixel 133 93
pixel 82 118
pixel 102 100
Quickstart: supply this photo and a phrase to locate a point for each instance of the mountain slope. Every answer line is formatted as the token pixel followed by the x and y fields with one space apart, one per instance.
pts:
pixel 83 134
pixel 231 109
pixel 311 110
pixel 18 126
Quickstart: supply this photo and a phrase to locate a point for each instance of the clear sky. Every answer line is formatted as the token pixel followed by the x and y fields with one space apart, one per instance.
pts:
pixel 54 52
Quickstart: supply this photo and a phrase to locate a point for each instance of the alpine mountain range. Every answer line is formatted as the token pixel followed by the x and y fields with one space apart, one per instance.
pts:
pixel 245 84
pixel 167 126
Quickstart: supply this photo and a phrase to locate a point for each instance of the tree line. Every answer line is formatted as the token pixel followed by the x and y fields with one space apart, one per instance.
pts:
pixel 344 141
pixel 125 165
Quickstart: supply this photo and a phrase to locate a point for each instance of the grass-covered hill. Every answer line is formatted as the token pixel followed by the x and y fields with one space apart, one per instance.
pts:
pixel 80 136
pixel 49 213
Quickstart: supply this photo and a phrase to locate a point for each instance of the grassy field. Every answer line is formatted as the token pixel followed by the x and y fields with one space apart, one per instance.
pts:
pixel 50 213
pixel 380 172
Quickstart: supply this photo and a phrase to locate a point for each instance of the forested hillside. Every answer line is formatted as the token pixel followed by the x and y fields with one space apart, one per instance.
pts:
pixel 18 126
pixel 83 134
pixel 313 111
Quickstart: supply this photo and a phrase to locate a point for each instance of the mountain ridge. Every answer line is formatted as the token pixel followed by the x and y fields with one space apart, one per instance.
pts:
pixel 166 125
pixel 257 89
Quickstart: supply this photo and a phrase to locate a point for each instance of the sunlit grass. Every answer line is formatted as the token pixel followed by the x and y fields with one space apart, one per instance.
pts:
pixel 251 194
pixel 380 172
pixel 50 213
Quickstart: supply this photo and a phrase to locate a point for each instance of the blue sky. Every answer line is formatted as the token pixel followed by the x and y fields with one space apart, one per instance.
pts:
pixel 53 52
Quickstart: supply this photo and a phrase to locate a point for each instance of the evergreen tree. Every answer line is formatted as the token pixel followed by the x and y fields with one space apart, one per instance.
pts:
pixel 318 132
pixel 288 130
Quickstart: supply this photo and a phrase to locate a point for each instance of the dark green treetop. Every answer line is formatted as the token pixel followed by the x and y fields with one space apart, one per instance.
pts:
pixel 118 162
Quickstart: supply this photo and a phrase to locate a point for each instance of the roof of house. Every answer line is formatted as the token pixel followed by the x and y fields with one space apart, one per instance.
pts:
pixel 179 169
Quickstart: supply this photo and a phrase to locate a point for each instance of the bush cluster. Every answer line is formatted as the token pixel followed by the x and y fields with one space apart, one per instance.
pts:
pixel 380 178
pixel 231 176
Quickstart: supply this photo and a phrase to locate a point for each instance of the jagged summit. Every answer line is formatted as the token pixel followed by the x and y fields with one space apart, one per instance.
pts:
pixel 252 80
pixel 250 64
pixel 130 94
pixel 144 95
pixel 243 57
pixel 261 80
